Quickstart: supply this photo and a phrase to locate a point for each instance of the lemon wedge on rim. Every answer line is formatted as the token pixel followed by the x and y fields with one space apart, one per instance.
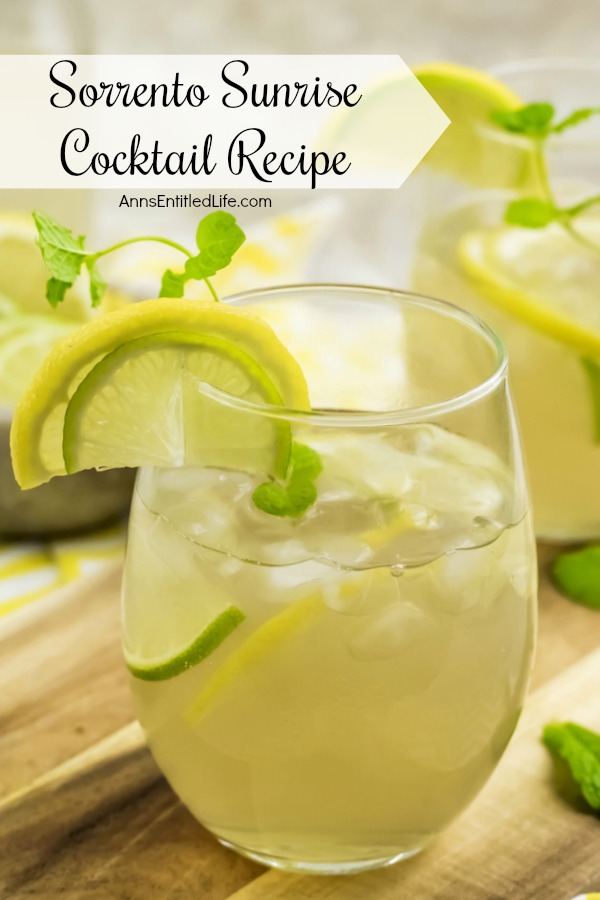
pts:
pixel 126 390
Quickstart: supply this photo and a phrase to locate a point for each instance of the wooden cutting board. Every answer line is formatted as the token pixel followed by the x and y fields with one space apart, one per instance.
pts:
pixel 86 813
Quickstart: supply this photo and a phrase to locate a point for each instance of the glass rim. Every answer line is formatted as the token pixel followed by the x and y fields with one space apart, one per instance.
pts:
pixel 371 418
pixel 531 64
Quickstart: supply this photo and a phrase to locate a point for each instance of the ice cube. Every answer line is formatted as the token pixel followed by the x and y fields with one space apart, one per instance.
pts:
pixel 396 629
pixel 461 580
pixel 360 593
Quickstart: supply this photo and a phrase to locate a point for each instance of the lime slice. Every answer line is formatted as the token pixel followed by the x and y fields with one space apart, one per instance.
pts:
pixel 158 668
pixel 542 277
pixel 24 342
pixel 149 392
pixel 158 383
pixel 162 639
pixel 468 97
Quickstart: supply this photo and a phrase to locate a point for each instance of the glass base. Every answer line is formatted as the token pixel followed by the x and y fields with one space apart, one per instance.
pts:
pixel 345 867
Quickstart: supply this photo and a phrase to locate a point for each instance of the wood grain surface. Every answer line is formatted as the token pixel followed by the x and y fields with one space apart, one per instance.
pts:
pixel 86 814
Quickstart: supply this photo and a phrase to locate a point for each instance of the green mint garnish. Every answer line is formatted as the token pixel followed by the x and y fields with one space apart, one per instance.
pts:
pixel 580 749
pixel 173 284
pixel 530 212
pixel 218 237
pixel 298 492
pixel 63 254
pixel 537 122
pixel 577 574
pixel 574 118
pixel 532 120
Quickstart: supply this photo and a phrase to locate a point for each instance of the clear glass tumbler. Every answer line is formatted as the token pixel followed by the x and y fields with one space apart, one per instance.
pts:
pixel 537 287
pixel 356 670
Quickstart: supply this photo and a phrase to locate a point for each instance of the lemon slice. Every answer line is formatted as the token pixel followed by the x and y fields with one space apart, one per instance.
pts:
pixel 542 277
pixel 468 97
pixel 144 403
pixel 268 638
pixel 272 647
pixel 372 133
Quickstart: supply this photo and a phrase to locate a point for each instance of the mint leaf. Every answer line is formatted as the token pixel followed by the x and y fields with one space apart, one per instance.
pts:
pixel 301 495
pixel 298 492
pixel 290 500
pixel 580 749
pixel 56 290
pixel 533 119
pixel 172 284
pixel 304 462
pixel 199 267
pixel 97 284
pixel 531 212
pixel 63 253
pixel 219 236
pixel 272 498
pixel 574 118
pixel 577 574
pixel 592 370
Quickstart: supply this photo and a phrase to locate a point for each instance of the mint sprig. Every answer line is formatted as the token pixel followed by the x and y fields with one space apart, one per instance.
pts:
pixel 537 122
pixel 63 254
pixel 577 575
pixel 539 119
pixel 218 237
pixel 579 748
pixel 298 491
pixel 533 119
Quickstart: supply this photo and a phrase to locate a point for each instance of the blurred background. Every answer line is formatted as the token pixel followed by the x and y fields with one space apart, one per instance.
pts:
pixel 478 33
pixel 296 230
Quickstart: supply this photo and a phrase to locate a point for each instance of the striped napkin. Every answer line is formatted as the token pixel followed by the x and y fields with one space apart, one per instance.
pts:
pixel 30 571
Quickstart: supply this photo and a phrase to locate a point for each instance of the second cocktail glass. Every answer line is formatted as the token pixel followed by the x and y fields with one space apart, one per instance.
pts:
pixel 536 286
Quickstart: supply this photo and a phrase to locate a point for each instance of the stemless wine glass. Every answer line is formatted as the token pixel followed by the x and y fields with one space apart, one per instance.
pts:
pixel 537 287
pixel 338 684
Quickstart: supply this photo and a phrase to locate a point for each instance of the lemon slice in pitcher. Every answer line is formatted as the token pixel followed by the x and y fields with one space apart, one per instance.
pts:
pixel 472 149
pixel 542 277
pixel 127 390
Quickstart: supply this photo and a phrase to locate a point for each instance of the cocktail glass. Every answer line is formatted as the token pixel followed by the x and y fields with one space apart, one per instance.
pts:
pixel 355 672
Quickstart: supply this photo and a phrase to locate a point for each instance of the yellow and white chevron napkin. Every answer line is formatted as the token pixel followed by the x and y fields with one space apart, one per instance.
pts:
pixel 30 571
